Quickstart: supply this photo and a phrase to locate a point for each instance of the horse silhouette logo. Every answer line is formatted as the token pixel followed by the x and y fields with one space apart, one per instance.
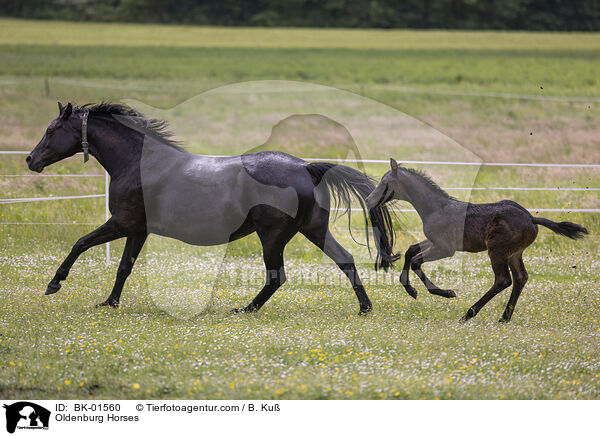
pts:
pixel 26 415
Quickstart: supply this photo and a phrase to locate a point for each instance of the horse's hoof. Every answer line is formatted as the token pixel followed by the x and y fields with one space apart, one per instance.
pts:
pixel 52 288
pixel 365 311
pixel 504 320
pixel 411 291
pixel 467 316
pixel 108 303
pixel 448 293
pixel 247 309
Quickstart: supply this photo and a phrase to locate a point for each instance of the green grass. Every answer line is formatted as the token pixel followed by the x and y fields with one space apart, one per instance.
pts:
pixel 308 341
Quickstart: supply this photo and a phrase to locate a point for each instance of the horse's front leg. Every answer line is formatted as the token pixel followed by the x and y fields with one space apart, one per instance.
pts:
pixel 432 253
pixel 133 246
pixel 107 232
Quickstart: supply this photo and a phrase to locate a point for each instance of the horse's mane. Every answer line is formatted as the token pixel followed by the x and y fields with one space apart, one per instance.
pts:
pixel 158 129
pixel 426 179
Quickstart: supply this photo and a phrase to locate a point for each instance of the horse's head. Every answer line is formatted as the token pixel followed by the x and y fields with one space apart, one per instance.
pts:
pixel 389 188
pixel 61 140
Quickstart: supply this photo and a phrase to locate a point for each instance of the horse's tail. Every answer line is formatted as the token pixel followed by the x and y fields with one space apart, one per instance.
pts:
pixel 565 228
pixel 344 183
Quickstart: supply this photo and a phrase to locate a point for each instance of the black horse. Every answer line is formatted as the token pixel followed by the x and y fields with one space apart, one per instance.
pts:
pixel 503 229
pixel 157 187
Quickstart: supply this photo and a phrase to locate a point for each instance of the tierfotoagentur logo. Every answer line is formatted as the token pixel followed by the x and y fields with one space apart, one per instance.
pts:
pixel 26 415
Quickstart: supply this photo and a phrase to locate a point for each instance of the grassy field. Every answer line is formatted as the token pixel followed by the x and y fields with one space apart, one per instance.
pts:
pixel 307 342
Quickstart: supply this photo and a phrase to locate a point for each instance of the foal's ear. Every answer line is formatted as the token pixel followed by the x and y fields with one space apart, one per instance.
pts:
pixel 60 108
pixel 394 165
pixel 67 111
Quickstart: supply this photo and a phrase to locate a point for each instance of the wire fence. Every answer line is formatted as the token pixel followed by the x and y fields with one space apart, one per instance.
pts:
pixel 105 195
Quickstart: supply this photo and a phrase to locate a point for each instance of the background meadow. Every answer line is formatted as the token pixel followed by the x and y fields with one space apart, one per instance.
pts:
pixel 450 95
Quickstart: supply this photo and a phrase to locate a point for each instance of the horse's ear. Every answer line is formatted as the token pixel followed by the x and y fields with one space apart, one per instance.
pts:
pixel 67 111
pixel 60 108
pixel 394 165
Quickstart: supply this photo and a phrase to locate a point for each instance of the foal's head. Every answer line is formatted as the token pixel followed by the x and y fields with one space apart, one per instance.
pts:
pixel 62 139
pixel 390 188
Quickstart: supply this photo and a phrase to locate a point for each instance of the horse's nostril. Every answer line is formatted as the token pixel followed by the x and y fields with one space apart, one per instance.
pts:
pixel 28 160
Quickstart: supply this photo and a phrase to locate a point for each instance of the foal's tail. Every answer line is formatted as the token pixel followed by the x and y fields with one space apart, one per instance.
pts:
pixel 565 228
pixel 344 183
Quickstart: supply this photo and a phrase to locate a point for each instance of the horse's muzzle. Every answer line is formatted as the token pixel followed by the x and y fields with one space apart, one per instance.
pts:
pixel 33 165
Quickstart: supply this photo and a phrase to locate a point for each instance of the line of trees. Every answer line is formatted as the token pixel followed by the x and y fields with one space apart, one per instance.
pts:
pixel 439 14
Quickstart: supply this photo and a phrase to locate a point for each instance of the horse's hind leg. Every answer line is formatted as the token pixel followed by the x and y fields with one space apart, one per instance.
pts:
pixel 274 237
pixel 430 254
pixel 502 281
pixel 133 246
pixel 412 251
pixel 520 276
pixel 322 238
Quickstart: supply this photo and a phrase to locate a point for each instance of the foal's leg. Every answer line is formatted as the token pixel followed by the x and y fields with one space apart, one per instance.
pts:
pixel 412 251
pixel 133 246
pixel 520 276
pixel 430 254
pixel 323 239
pixel 274 238
pixel 107 232
pixel 501 282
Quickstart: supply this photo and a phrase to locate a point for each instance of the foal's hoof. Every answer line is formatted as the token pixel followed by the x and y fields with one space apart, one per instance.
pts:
pixel 504 320
pixel 411 291
pixel 52 288
pixel 109 303
pixel 365 311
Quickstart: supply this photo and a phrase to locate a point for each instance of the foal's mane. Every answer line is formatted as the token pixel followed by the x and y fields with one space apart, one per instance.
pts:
pixel 158 129
pixel 426 179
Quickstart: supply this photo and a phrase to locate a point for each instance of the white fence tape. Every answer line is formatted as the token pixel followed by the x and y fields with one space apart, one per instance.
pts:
pixel 50 224
pixel 34 199
pixel 378 161
pixel 51 175
pixel 485 164
pixel 530 210
pixel 412 162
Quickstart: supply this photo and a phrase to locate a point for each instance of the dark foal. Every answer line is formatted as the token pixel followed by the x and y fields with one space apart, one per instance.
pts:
pixel 503 229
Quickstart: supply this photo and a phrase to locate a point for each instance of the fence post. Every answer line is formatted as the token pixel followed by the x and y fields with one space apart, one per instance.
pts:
pixel 106 212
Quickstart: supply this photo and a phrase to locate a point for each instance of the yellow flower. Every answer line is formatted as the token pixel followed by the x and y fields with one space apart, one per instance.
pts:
pixel 67 382
pixel 136 386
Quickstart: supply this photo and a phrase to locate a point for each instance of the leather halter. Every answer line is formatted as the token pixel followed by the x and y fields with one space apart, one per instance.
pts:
pixel 84 142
